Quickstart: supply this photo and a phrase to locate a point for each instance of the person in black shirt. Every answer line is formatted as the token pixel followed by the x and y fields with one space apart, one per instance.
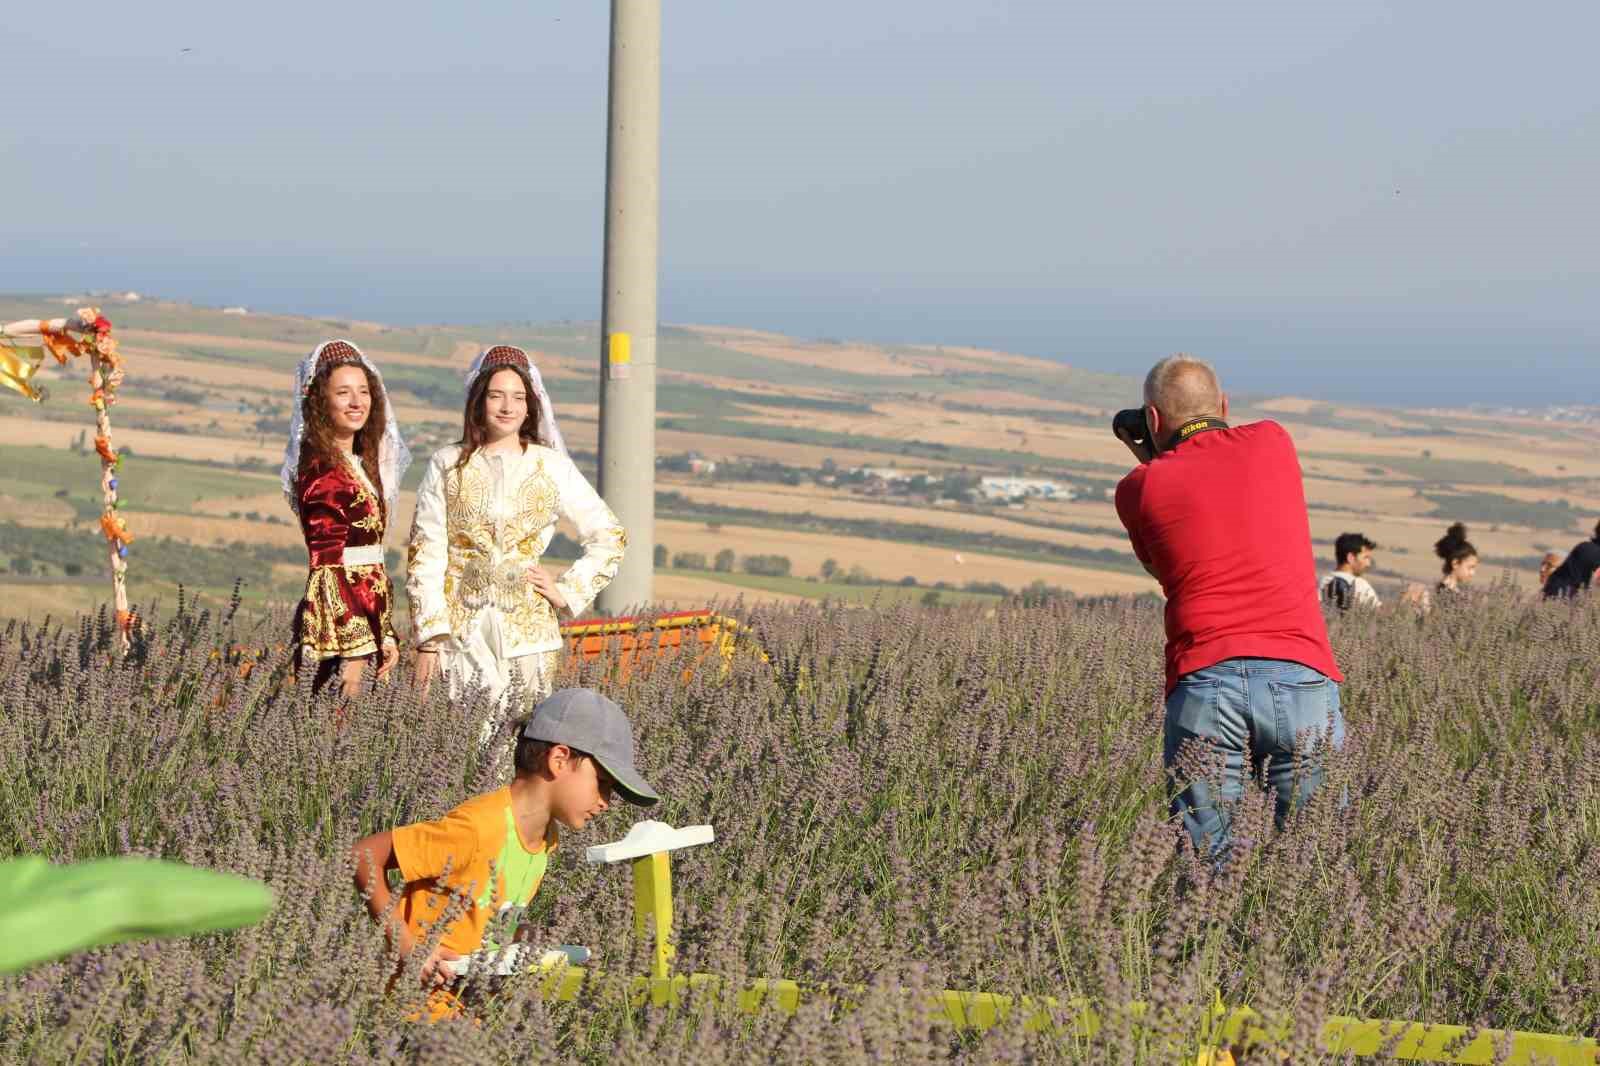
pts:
pixel 1575 574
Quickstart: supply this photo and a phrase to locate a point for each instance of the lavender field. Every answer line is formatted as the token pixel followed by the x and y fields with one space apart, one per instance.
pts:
pixel 905 799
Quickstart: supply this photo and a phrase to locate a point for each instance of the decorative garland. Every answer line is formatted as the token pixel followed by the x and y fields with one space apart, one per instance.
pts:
pixel 22 348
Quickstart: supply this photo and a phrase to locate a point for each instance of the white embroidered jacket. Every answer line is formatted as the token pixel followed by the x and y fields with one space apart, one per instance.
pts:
pixel 476 532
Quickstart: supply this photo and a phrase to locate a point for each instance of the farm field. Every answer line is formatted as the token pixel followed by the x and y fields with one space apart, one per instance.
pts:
pixel 906 799
pixel 204 410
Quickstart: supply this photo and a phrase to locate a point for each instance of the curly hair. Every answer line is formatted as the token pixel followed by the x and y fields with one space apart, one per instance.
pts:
pixel 475 424
pixel 1454 546
pixel 320 442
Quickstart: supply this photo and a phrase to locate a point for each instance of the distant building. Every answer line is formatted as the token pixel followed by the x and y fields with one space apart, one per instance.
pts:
pixel 887 474
pixel 236 310
pixel 702 467
pixel 1022 488
pixel 131 297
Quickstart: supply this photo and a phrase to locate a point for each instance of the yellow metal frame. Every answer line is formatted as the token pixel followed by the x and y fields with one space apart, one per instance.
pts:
pixel 1235 1027
pixel 652 904
pixel 982 1010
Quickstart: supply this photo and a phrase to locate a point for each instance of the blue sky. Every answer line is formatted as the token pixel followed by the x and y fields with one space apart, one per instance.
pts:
pixel 1377 201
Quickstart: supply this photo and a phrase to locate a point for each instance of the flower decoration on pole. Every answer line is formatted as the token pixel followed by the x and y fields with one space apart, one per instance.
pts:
pixel 23 346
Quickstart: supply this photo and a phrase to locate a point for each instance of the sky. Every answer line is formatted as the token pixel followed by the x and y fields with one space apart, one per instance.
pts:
pixel 1378 202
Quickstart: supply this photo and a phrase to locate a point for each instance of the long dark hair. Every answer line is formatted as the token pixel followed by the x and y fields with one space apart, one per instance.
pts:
pixel 319 442
pixel 1454 546
pixel 474 424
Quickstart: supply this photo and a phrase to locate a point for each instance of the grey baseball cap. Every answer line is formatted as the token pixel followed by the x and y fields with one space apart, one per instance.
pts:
pixel 583 719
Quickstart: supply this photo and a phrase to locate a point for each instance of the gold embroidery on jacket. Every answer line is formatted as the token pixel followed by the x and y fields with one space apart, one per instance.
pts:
pixel 473 578
pixel 373 522
pixel 328 628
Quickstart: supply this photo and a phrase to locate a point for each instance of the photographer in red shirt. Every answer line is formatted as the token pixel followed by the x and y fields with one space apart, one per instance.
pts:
pixel 1217 514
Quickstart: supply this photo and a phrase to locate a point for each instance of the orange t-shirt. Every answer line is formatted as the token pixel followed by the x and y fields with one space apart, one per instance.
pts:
pixel 467 841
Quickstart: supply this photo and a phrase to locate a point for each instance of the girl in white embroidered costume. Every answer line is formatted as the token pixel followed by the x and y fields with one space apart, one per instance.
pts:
pixel 483 608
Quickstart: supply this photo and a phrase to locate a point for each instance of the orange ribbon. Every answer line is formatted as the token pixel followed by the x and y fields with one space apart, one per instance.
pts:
pixel 112 525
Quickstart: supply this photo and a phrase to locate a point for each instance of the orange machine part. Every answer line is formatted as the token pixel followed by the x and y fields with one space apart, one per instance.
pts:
pixel 635 642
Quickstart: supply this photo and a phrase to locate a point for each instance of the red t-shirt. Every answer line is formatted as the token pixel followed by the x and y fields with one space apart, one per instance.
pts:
pixel 1221 520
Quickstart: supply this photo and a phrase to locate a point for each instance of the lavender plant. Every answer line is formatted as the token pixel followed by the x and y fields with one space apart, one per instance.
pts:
pixel 906 799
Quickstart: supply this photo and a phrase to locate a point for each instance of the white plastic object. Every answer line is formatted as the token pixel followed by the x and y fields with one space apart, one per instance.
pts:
pixel 515 960
pixel 648 838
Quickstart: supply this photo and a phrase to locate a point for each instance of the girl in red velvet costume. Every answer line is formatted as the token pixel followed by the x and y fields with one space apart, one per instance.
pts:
pixel 341 473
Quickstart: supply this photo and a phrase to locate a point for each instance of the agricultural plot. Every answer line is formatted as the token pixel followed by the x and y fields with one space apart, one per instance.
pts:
pixel 149 483
pixel 905 800
pixel 891 561
pixel 783 500
pixel 210 387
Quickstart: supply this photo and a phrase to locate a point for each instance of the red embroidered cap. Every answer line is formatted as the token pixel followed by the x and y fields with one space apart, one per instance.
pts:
pixel 334 353
pixel 505 355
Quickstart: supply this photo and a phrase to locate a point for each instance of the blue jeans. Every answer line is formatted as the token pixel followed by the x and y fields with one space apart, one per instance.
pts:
pixel 1280 715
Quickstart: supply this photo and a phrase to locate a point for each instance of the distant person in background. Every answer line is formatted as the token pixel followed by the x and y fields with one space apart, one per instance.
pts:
pixel 1547 566
pixel 484 608
pixel 341 473
pixel 1577 571
pixel 1217 514
pixel 1346 587
pixel 1460 560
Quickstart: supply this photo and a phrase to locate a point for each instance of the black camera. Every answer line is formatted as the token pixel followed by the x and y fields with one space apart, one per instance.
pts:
pixel 1130 425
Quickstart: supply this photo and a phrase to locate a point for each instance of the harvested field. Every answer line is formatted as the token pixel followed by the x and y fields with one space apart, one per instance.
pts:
pixel 684 592
pixel 35 600
pixel 891 561
pixel 1000 400
pixel 15 430
pixel 782 499
pixel 1585 499
pixel 218 531
pixel 1287 405
pixel 804 455
pixel 987 358
pixel 1529 455
pixel 292 352
pixel 902 421
pixel 1312 466
pixel 155 364
pixel 1387 499
pixel 842 358
pixel 262 503
pixel 36 511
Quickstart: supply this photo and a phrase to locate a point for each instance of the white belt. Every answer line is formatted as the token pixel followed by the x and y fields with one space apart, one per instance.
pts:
pixel 365 555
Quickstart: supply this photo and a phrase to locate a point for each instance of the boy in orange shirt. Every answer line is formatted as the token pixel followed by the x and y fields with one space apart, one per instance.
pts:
pixel 573 752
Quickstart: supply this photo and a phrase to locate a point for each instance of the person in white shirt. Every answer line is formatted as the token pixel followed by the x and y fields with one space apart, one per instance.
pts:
pixel 483 608
pixel 1345 587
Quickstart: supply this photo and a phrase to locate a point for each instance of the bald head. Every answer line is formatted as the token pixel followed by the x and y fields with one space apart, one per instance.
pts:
pixel 1548 564
pixel 1182 388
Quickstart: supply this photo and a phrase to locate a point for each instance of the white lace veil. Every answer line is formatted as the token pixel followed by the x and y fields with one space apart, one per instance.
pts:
pixel 393 455
pixel 506 355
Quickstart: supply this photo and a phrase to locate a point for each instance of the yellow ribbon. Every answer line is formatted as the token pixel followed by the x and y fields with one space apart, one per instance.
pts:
pixel 17 367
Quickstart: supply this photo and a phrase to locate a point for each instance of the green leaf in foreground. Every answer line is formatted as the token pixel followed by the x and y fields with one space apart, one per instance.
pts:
pixel 57 910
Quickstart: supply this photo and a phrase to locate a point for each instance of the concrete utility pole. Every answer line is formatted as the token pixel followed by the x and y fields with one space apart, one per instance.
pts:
pixel 628 310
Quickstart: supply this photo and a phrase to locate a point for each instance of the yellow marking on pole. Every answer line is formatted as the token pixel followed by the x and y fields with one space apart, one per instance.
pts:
pixel 620 351
pixel 652 899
